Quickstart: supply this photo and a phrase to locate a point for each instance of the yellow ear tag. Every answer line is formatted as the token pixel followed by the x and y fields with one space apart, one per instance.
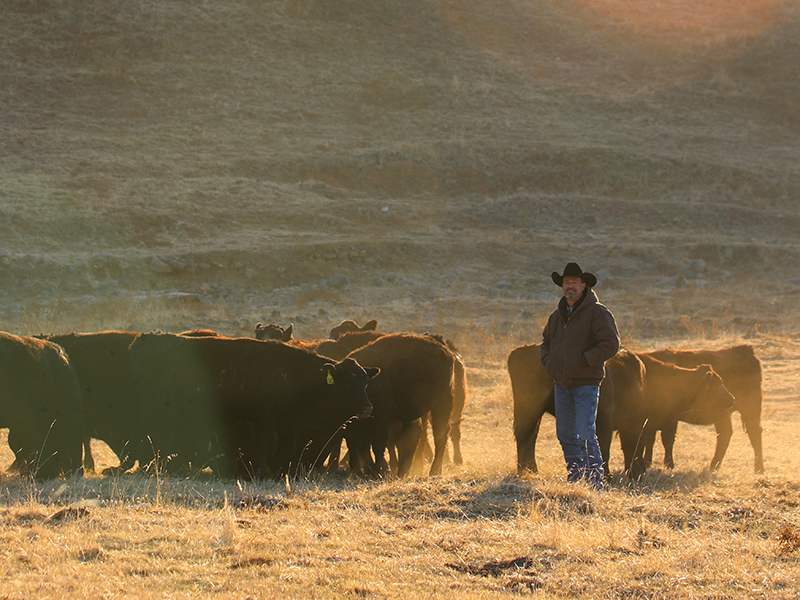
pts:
pixel 330 378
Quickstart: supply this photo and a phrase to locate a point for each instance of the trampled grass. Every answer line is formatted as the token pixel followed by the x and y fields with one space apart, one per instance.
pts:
pixel 478 531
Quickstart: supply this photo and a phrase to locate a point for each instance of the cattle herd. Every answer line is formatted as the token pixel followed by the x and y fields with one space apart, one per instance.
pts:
pixel 273 405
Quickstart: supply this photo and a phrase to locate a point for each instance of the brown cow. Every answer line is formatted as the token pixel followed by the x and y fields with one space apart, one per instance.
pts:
pixel 349 326
pixel 110 404
pixel 40 404
pixel 620 407
pixel 456 416
pixel 272 331
pixel 416 378
pixel 350 341
pixel 740 369
pixel 696 396
pixel 346 343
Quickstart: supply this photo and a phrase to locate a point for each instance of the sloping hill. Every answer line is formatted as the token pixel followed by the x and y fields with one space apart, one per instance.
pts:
pixel 431 154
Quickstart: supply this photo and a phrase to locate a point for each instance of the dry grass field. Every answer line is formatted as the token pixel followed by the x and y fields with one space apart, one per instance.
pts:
pixel 181 164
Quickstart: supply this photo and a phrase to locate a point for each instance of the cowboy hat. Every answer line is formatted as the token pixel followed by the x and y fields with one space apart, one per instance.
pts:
pixel 573 270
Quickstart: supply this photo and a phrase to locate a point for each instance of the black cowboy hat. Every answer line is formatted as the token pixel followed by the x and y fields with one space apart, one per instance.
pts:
pixel 574 270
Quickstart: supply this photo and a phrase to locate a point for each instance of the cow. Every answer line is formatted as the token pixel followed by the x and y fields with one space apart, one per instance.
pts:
pixel 620 407
pixel 271 331
pixel 457 414
pixel 239 406
pixel 40 404
pixel 110 405
pixel 740 369
pixel 349 342
pixel 346 343
pixel 692 395
pixel 349 326
pixel 416 378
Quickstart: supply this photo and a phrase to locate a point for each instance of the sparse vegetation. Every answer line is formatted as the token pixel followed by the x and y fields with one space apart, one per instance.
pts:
pixel 180 165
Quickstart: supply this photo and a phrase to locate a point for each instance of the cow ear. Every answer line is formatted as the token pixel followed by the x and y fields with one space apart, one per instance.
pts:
pixel 370 325
pixel 372 371
pixel 287 333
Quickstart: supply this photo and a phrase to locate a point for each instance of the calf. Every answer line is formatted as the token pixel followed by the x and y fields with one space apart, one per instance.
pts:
pixel 696 396
pixel 740 369
pixel 40 404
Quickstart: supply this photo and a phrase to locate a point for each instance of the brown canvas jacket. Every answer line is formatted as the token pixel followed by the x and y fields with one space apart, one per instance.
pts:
pixel 575 347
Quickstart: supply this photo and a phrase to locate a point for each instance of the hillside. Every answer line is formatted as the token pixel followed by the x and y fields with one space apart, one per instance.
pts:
pixel 427 163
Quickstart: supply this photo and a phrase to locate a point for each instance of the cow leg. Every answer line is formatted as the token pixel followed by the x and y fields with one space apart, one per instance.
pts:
pixel 647 441
pixel 455 437
pixel 425 448
pixel 724 433
pixel 380 441
pixel 526 448
pixel 88 459
pixel 668 441
pixel 329 456
pixel 634 463
pixel 407 445
pixel 395 433
pixel 440 424
pixel 334 454
pixel 355 438
pixel 752 425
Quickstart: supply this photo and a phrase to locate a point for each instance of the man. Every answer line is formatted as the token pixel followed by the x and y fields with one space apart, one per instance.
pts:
pixel 580 336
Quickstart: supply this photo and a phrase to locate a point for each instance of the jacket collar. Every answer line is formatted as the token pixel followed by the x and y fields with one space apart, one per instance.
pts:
pixel 589 297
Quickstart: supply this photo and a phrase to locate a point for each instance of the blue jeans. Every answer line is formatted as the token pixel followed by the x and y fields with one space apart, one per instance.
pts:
pixel 576 412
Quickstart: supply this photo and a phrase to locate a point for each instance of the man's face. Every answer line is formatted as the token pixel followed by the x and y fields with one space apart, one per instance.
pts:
pixel 573 289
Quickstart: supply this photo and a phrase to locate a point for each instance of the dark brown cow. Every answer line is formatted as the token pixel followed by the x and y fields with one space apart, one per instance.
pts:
pixel 457 414
pixel 740 369
pixel 416 378
pixel 110 404
pixel 346 343
pixel 242 407
pixel 620 407
pixel 349 326
pixel 351 341
pixel 40 404
pixel 335 350
pixel 271 331
pixel 697 396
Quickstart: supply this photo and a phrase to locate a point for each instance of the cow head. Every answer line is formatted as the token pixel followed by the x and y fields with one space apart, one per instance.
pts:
pixel 274 332
pixel 348 380
pixel 717 394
